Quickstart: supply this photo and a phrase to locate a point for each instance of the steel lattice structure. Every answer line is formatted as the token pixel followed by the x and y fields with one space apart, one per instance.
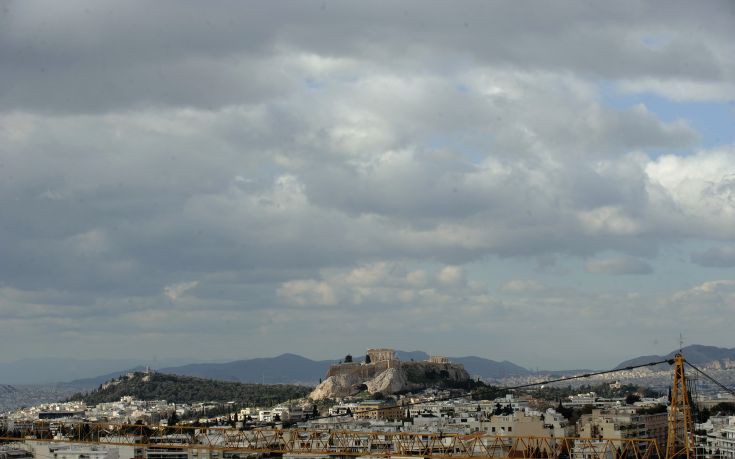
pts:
pixel 340 442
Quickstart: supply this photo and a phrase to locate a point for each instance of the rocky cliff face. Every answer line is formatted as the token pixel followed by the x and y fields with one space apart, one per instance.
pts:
pixel 399 376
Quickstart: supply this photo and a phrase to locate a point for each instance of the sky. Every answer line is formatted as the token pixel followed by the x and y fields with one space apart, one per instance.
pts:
pixel 551 183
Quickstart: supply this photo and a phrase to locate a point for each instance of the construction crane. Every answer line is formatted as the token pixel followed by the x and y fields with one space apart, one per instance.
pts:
pixel 680 435
pixel 340 443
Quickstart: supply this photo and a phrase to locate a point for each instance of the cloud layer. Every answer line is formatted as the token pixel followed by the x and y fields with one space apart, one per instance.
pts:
pixel 362 174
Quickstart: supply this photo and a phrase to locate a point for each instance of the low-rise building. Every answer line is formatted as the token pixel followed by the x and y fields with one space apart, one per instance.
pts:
pixel 378 409
pixel 718 440
pixel 9 452
pixel 623 423
pixel 85 452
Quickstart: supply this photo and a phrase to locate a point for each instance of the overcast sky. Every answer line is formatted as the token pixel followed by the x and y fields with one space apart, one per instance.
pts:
pixel 551 183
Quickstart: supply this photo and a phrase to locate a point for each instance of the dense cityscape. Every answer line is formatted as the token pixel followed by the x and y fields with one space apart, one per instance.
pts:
pixel 380 394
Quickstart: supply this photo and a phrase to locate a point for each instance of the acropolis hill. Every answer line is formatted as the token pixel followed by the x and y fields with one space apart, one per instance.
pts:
pixel 383 372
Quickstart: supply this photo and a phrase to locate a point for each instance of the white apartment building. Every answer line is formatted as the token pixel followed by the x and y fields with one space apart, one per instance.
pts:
pixel 85 452
pixel 719 442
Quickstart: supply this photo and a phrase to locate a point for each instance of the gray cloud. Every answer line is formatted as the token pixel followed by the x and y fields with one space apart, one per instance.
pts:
pixel 102 56
pixel 715 257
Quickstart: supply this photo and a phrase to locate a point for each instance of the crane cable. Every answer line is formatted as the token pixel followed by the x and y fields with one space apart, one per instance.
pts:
pixel 716 382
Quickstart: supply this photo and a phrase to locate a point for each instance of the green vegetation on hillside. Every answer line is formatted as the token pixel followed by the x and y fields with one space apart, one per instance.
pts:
pixel 187 389
pixel 721 409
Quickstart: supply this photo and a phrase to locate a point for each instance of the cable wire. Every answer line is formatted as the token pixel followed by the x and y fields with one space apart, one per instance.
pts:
pixel 716 382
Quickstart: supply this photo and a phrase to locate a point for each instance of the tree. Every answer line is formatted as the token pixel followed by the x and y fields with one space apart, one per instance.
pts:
pixel 348 358
pixel 367 358
pixel 630 399
pixel 724 408
pixel 315 412
pixel 173 419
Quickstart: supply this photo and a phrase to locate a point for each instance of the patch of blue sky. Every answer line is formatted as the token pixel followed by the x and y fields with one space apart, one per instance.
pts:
pixel 657 42
pixel 473 151
pixel 715 121
pixel 313 84
pixel 462 88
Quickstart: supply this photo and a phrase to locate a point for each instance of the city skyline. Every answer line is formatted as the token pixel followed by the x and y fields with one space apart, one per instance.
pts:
pixel 550 184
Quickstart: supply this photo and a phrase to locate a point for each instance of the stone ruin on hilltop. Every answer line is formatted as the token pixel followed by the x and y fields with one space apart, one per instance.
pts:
pixel 383 372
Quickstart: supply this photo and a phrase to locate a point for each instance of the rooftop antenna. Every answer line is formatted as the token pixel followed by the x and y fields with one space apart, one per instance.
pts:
pixel 681 342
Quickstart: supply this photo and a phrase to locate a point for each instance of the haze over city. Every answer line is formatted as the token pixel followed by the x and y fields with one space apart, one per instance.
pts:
pixel 551 183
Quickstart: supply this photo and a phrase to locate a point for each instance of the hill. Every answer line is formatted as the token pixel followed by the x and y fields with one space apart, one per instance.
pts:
pixel 388 376
pixel 490 369
pixel 475 366
pixel 186 389
pixel 696 354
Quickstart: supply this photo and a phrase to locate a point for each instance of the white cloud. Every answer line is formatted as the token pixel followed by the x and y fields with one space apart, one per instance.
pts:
pixel 176 291
pixel 522 286
pixel 307 292
pixel 382 283
pixel 451 276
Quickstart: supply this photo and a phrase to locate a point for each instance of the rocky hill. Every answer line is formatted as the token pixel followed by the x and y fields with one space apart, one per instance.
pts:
pixel 387 378
pixel 186 389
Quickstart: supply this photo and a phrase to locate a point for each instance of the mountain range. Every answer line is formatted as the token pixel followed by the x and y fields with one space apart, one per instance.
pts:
pixel 696 354
pixel 54 370
pixel 291 368
pixel 285 368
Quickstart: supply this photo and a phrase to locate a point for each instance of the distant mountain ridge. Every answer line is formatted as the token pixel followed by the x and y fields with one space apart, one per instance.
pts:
pixel 54 370
pixel 292 368
pixel 696 353
pixel 285 368
pixel 86 383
